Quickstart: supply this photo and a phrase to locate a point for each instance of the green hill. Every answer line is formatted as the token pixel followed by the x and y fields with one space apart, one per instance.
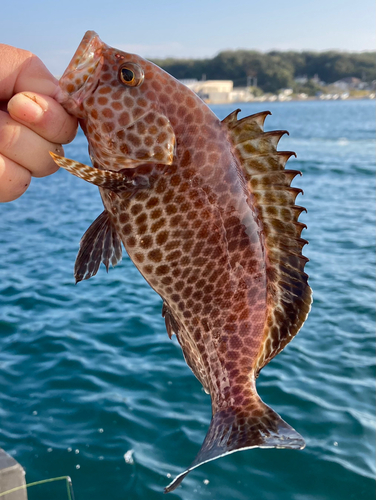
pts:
pixel 275 70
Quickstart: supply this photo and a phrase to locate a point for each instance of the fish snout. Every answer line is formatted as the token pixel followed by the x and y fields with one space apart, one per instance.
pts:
pixel 82 72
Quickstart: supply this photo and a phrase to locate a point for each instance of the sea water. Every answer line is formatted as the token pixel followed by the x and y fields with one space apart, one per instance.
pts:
pixel 92 387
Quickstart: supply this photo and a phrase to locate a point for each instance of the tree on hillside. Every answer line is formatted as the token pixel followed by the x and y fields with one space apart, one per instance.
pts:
pixel 275 70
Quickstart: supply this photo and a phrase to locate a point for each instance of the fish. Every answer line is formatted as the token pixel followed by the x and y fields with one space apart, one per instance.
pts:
pixel 206 212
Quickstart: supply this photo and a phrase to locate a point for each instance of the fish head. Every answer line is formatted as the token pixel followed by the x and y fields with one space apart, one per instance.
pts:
pixel 113 95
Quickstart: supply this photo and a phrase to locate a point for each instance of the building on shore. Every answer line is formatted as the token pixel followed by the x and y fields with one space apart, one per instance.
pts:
pixel 223 91
pixel 212 91
pixel 350 83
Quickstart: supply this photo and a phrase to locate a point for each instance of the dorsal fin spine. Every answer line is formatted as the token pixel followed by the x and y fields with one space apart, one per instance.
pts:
pixel 258 118
pixel 231 118
pixel 275 136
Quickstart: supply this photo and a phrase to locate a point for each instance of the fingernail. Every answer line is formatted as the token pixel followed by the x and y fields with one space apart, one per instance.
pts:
pixel 26 108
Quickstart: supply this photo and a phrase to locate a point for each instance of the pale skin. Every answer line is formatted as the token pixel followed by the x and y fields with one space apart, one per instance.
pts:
pixel 32 123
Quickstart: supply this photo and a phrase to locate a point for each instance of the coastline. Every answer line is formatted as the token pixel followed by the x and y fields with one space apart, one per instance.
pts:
pixel 267 98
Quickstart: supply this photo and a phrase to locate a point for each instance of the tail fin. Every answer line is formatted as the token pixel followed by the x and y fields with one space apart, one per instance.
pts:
pixel 233 430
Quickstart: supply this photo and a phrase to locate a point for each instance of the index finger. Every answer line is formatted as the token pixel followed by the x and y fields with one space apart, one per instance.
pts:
pixel 20 70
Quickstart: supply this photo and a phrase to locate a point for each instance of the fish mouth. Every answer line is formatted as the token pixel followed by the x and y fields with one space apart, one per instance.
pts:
pixel 84 66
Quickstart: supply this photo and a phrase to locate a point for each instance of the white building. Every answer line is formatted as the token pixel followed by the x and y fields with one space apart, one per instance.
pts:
pixel 213 91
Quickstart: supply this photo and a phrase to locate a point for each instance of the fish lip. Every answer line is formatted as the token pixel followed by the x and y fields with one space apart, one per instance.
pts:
pixel 85 52
pixel 86 62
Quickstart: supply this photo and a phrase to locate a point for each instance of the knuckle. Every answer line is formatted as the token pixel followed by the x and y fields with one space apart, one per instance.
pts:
pixel 26 54
pixel 9 134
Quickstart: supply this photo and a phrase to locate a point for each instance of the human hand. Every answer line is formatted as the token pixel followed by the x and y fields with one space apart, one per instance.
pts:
pixel 32 123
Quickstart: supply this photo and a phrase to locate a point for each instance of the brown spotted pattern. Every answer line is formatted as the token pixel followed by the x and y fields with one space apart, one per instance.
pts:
pixel 123 122
pixel 197 232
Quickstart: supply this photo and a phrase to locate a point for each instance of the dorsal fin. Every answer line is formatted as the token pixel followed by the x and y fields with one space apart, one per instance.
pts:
pixel 289 295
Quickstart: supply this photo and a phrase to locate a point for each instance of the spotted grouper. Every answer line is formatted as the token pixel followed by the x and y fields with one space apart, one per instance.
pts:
pixel 206 212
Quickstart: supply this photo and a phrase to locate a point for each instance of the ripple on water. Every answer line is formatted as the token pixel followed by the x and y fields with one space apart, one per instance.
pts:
pixel 75 360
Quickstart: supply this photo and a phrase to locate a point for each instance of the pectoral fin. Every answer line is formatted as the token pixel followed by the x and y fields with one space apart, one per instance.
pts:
pixel 115 181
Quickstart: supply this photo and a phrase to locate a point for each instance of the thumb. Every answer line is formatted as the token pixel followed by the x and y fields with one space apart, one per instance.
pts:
pixel 20 70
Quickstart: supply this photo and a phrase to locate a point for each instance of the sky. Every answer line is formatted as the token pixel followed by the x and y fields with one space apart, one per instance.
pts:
pixel 189 28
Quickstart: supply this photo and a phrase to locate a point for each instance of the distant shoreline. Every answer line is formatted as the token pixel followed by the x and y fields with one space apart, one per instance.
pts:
pixel 293 99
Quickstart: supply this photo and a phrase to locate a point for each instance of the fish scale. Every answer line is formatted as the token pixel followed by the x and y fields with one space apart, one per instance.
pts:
pixel 162 265
pixel 205 211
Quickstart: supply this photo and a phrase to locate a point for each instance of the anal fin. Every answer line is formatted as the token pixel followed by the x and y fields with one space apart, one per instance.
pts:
pixel 100 243
pixel 172 326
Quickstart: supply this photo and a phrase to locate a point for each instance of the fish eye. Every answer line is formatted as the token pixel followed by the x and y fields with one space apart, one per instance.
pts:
pixel 127 75
pixel 131 75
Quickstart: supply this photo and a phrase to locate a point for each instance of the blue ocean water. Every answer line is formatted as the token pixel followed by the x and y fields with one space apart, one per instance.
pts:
pixel 88 373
